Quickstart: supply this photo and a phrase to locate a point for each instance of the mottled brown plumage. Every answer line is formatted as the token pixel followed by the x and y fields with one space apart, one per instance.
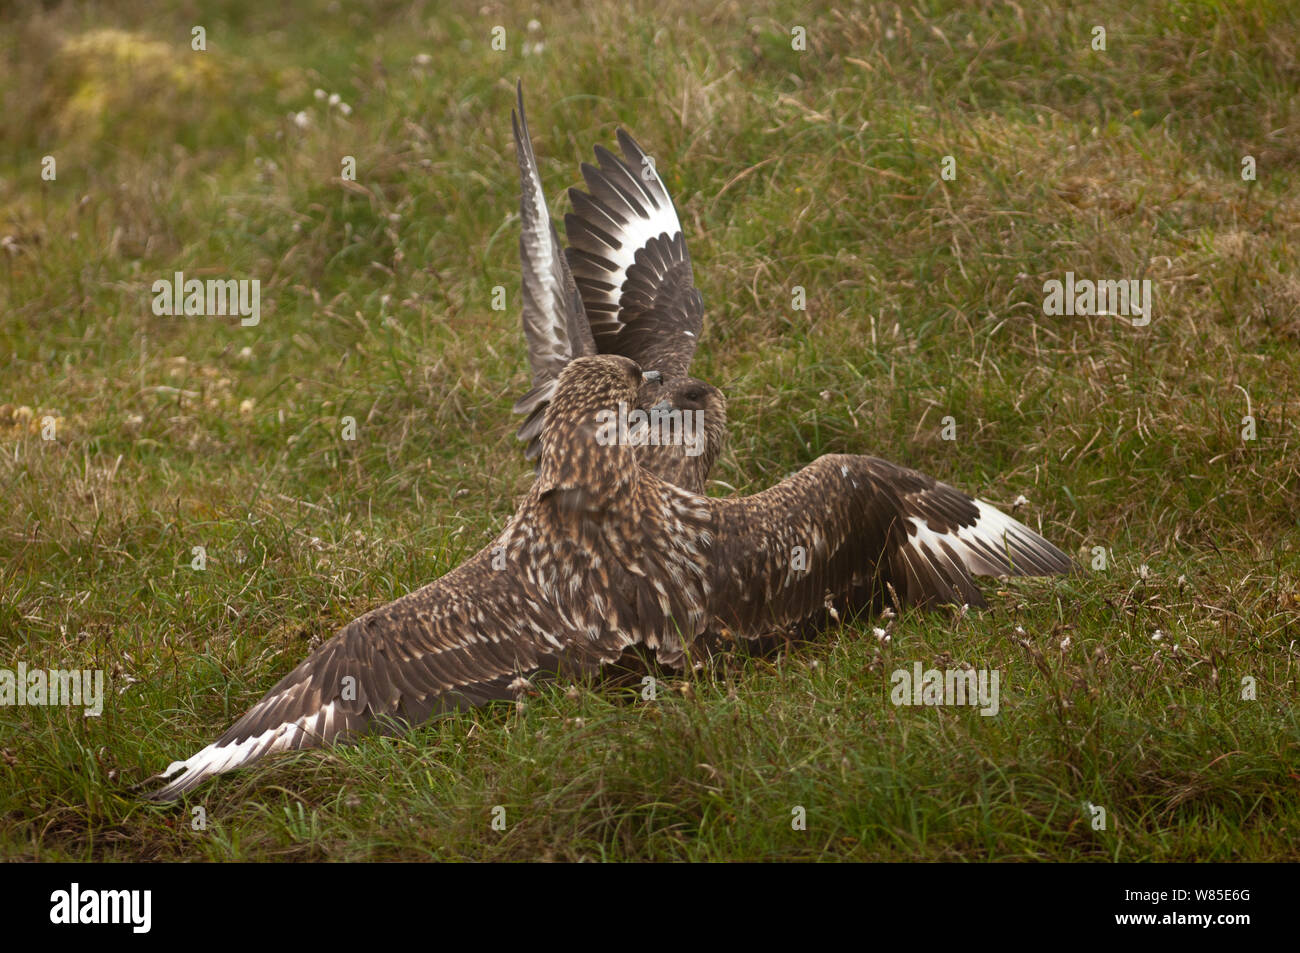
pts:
pixel 567 586
pixel 625 286
pixel 604 555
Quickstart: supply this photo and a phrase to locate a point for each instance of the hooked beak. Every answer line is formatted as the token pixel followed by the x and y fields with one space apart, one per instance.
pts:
pixel 653 377
pixel 663 406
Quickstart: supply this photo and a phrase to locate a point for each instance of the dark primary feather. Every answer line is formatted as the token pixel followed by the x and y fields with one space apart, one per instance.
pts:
pixel 636 295
pixel 453 644
pixel 629 260
pixel 864 531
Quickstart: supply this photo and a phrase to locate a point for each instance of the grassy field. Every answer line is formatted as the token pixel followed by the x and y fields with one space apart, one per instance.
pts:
pixel 821 168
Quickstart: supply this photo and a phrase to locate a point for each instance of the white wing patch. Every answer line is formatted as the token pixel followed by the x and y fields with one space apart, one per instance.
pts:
pixel 214 759
pixel 993 545
pixel 636 231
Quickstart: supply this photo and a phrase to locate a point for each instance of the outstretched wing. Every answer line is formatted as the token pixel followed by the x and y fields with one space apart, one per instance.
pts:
pixel 630 263
pixel 846 530
pixel 458 642
pixel 555 325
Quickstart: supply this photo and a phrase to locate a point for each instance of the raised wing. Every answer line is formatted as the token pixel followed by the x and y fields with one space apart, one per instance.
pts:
pixel 849 531
pixel 630 263
pixel 555 325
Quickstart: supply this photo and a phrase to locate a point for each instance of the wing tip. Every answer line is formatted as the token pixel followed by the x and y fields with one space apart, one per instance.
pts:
pixel 1039 556
pixel 181 777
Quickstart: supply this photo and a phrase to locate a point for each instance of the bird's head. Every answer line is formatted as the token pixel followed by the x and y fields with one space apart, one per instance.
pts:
pixel 690 393
pixel 587 440
pixel 696 411
pixel 593 382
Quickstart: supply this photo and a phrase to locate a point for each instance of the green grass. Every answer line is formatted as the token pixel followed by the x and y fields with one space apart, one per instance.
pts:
pixel 818 169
